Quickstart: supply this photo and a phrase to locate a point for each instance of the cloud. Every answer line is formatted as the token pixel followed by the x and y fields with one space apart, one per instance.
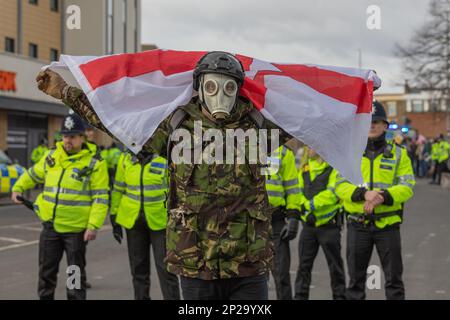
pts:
pixel 300 31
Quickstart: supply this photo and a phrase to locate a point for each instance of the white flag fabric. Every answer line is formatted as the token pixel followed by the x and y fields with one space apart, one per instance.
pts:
pixel 328 108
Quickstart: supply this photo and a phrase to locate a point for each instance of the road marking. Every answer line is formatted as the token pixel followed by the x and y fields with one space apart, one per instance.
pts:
pixel 23 243
pixel 14 240
pixel 19 225
pixel 20 245
pixel 27 228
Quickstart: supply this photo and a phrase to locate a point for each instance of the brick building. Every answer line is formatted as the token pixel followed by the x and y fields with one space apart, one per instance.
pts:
pixel 420 110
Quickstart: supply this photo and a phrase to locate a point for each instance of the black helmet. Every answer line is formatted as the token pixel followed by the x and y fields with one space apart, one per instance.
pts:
pixel 378 112
pixel 219 62
pixel 72 125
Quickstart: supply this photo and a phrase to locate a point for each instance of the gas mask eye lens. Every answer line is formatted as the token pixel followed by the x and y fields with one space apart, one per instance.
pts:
pixel 210 87
pixel 230 87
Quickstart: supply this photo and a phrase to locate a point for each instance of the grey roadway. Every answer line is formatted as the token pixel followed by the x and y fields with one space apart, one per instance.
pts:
pixel 425 240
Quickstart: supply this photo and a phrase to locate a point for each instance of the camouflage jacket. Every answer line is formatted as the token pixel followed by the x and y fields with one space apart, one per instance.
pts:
pixel 219 220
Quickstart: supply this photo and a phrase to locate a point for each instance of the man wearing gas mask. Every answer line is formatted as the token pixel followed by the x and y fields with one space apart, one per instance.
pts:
pixel 219 224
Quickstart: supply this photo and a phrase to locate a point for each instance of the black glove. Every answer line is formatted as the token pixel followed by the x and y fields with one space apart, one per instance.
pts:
pixel 358 194
pixel 117 229
pixel 289 231
pixel 388 200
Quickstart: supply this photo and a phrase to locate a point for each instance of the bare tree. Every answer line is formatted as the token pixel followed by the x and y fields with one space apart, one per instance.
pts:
pixel 427 56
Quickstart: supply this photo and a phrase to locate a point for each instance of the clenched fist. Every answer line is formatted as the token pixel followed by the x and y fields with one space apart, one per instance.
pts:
pixel 51 83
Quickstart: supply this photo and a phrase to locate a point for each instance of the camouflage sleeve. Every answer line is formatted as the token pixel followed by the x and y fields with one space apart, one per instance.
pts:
pixel 79 103
pixel 77 100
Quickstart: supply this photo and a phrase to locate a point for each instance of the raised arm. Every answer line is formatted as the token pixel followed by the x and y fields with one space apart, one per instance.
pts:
pixel 52 84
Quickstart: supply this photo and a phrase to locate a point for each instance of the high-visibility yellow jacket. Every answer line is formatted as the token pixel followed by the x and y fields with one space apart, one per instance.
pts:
pixel 435 151
pixel 75 195
pixel 318 196
pixel 139 186
pixel 113 157
pixel 392 172
pixel 443 151
pixel 38 153
pixel 282 179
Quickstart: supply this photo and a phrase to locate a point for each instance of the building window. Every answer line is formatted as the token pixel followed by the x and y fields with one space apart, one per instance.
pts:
pixel 54 5
pixel 34 2
pixel 434 105
pixel 136 21
pixel 110 27
pixel 54 55
pixel 124 22
pixel 392 109
pixel 10 45
pixel 417 106
pixel 33 50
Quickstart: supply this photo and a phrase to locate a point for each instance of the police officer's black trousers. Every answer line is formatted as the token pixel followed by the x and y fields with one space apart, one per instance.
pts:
pixel 139 240
pixel 360 242
pixel 282 259
pixel 329 239
pixel 244 288
pixel 52 246
pixel 440 168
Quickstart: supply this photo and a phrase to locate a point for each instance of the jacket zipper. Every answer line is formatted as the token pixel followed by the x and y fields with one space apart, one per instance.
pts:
pixel 142 188
pixel 57 195
pixel 371 172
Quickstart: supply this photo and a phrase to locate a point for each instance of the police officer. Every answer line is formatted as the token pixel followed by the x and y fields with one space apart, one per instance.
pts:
pixel 374 210
pixel 434 157
pixel 39 151
pixel 73 205
pixel 321 219
pixel 218 229
pixel 112 160
pixel 89 133
pixel 284 197
pixel 441 155
pixel 138 203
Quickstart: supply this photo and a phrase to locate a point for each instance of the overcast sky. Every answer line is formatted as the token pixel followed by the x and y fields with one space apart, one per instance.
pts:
pixel 295 31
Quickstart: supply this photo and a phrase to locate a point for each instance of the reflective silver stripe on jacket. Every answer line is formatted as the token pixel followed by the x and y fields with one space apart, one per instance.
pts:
pixel 100 192
pixel 120 184
pixel 293 191
pixel 73 203
pixel 148 187
pixel 34 176
pixel 77 192
pixel 275 194
pixel 381 185
pixel 274 182
pixel 67 191
pixel 146 199
pixel 101 201
pixel 290 183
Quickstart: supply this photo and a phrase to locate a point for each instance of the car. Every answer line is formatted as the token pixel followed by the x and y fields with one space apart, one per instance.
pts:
pixel 9 173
